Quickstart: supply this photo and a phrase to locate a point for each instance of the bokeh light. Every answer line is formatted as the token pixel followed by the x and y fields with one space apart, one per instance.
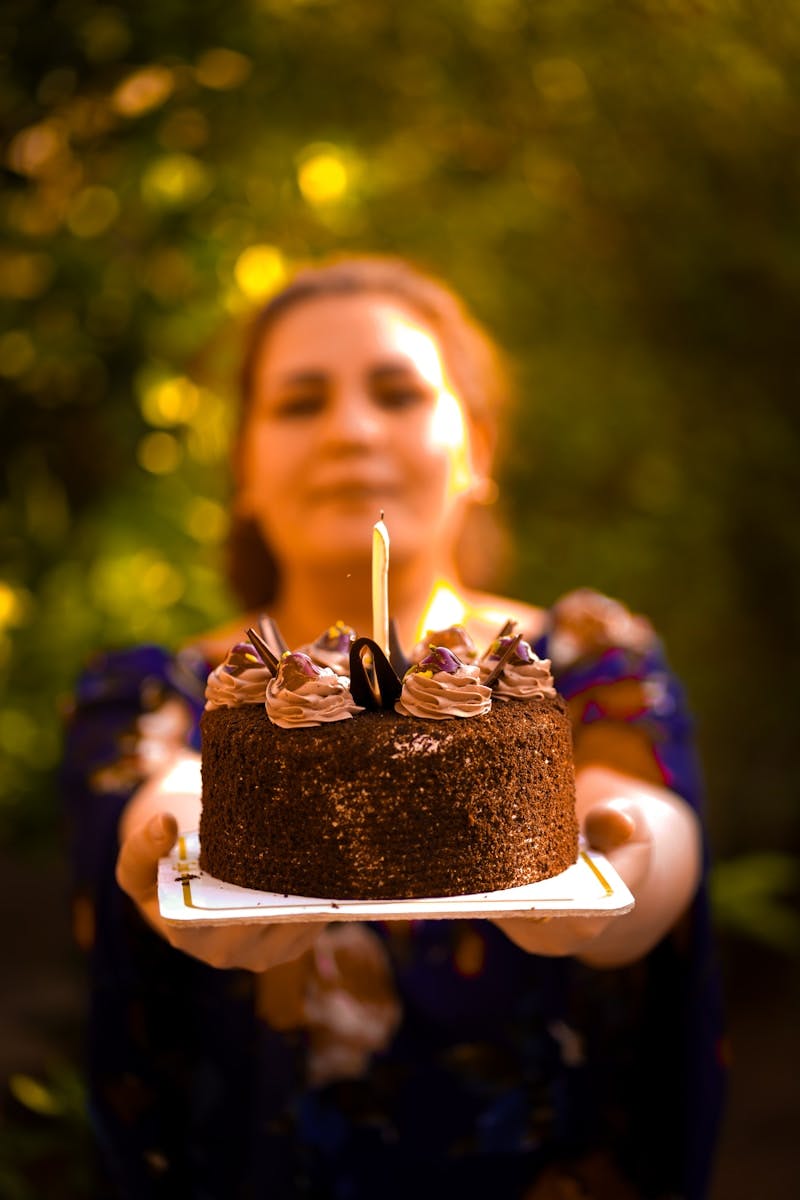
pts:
pixel 143 91
pixel 159 453
pixel 322 174
pixel 260 271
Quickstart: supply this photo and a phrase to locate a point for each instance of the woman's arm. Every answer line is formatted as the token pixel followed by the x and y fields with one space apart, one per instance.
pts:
pixel 166 804
pixel 652 838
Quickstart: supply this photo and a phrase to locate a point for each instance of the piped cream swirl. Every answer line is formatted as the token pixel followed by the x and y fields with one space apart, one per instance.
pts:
pixel 332 648
pixel 304 695
pixel 241 679
pixel 437 694
pixel 524 677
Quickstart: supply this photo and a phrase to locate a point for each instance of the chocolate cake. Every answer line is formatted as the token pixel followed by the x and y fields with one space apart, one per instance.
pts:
pixel 384 804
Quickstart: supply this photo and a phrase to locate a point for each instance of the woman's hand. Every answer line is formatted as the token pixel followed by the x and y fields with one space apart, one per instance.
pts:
pixel 651 837
pixel 148 831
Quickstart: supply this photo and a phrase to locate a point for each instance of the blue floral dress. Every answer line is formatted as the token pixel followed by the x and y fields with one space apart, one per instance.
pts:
pixel 398 1059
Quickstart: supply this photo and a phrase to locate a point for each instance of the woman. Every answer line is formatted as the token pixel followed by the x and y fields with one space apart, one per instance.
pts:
pixel 495 1057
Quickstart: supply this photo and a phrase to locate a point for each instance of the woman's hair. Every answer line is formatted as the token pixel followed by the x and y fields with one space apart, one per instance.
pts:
pixel 472 360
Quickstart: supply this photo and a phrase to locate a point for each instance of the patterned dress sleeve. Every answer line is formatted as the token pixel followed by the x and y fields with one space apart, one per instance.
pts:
pixel 133 709
pixel 629 711
pixel 628 708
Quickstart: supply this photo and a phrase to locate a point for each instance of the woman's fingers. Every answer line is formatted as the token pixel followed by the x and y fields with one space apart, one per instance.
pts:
pixel 608 825
pixel 137 864
pixel 251 947
pixel 619 828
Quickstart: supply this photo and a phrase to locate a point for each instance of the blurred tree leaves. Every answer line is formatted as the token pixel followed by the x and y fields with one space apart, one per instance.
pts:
pixel 615 189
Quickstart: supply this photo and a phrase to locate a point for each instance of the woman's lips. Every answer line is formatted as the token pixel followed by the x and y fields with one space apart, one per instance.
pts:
pixel 350 491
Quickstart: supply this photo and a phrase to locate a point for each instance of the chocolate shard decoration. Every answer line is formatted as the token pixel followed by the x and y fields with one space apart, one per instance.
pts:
pixel 507 629
pixel 263 651
pixel 396 655
pixel 376 687
pixel 492 679
pixel 270 626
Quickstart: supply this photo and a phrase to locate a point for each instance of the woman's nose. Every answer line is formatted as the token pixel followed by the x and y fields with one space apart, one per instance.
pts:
pixel 353 418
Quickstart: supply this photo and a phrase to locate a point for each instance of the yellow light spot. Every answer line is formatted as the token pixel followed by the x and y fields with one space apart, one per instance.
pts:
pixel 222 69
pixel 260 271
pixel 445 608
pixel 16 353
pixel 15 605
pixel 24 276
pixel 322 175
pixel 560 80
pixel 206 521
pixel 159 453
pixel 92 211
pixel 169 401
pixel 135 583
pixel 174 180
pixel 143 91
pixel 161 585
pixel 34 1095
pixel 38 149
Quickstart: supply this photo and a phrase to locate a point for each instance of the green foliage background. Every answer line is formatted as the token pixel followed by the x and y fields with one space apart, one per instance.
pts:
pixel 614 187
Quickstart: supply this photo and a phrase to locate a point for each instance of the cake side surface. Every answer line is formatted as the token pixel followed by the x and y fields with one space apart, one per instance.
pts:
pixel 385 806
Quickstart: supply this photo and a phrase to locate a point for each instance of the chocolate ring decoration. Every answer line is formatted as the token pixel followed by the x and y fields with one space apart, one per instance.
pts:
pixel 396 655
pixel 381 685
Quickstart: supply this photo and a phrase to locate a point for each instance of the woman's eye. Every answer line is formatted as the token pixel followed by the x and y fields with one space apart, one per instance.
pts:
pixel 299 405
pixel 405 396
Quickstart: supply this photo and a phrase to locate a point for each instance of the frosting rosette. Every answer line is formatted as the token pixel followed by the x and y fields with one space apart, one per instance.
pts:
pixel 241 679
pixel 455 638
pixel 440 686
pixel 303 695
pixel 332 648
pixel 524 675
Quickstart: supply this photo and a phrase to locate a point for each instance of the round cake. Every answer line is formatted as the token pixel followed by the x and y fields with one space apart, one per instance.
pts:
pixel 386 806
pixel 385 803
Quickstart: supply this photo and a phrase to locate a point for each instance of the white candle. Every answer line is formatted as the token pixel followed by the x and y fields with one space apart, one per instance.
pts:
pixel 380 585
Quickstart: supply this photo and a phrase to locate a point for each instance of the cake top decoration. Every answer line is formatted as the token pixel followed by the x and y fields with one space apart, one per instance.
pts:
pixel 263 650
pixel 241 679
pixel 302 694
pixel 455 638
pixel 439 659
pixel 441 686
pixel 514 671
pixel 332 648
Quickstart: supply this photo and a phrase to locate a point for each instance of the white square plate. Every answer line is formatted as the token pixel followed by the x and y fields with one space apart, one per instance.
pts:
pixel 590 887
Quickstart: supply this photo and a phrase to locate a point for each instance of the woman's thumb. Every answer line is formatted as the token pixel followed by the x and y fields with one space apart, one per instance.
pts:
pixel 137 864
pixel 609 824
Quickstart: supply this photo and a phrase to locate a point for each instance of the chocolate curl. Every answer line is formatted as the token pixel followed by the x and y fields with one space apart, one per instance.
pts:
pixel 492 679
pixel 396 656
pixel 263 651
pixel 378 688
pixel 270 627
pixel 504 632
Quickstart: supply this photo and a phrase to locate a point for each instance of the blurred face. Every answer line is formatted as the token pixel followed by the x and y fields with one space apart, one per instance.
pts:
pixel 353 413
